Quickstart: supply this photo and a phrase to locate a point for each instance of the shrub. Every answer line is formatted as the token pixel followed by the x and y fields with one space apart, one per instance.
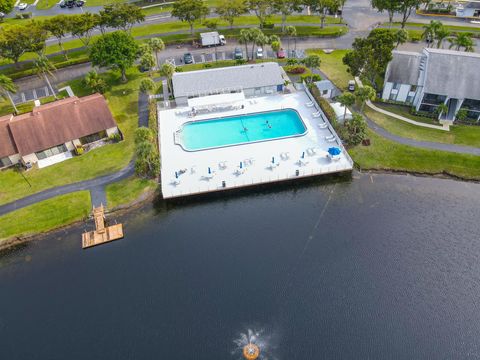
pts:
pixel 292 61
pixel 147 85
pixel 207 65
pixel 26 15
pixel 310 77
pixel 324 105
pixel 153 117
pixel 116 137
pixel 240 61
pixel 267 25
pixel 295 69
pixel 79 150
pixel 356 130
pixel 178 69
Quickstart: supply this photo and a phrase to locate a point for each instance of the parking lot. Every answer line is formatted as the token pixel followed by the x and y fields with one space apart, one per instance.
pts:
pixel 210 55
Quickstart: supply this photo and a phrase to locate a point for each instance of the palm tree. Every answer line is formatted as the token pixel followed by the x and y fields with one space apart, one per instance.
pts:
pixel 441 35
pixel 430 31
pixel 43 68
pixel 245 38
pixel 157 45
pixel 312 62
pixel 168 70
pixel 462 40
pixel 441 108
pixel 290 31
pixel 6 87
pixel 346 99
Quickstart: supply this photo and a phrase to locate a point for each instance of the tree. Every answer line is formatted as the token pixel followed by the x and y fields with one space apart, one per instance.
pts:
pixel 6 6
pixel 59 26
pixel 430 31
pixel 117 50
pixel 120 16
pixel 406 7
pixel 401 37
pixel 43 68
pixel 275 43
pixel 462 40
pixel 82 26
pixel 211 24
pixel 7 87
pixel 157 45
pixel 390 6
pixel 147 61
pixel 229 10
pixel 320 7
pixel 441 109
pixel 15 40
pixel 462 114
pixel 190 11
pixel 339 5
pixel 168 70
pixel 147 162
pixel 95 82
pixel 346 99
pixel 362 94
pixel 356 130
pixel 290 31
pixel 370 56
pixel 245 38
pixel 312 62
pixel 256 37
pixel 147 85
pixel 261 8
pixel 285 8
pixel 261 40
pixel 441 34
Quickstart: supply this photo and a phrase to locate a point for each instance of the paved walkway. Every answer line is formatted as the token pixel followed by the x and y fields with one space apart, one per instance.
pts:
pixel 422 144
pixel 94 185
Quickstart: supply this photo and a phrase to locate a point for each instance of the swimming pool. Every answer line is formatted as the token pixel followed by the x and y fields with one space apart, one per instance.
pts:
pixel 241 129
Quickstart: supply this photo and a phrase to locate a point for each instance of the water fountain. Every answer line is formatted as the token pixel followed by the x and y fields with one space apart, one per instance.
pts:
pixel 253 345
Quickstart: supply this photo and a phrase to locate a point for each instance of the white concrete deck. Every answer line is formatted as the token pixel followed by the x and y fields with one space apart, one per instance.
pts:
pixel 55 159
pixel 256 157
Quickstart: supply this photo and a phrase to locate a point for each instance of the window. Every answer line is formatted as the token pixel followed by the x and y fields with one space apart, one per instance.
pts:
pixel 5 162
pixel 325 92
pixel 393 96
pixel 51 152
pixel 413 88
pixel 433 99
pixel 409 99
pixel 93 137
pixel 396 86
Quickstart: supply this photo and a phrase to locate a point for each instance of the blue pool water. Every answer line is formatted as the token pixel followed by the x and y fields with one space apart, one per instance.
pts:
pixel 235 130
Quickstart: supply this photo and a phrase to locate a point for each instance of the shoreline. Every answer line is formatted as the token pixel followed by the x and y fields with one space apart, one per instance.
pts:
pixel 120 210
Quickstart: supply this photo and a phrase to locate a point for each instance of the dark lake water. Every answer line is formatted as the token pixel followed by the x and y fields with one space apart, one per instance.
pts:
pixel 378 267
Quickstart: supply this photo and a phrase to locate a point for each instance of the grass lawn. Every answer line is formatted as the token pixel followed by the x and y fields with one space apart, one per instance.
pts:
pixel 384 154
pixel 404 110
pixel 128 190
pixel 473 28
pixel 332 65
pixel 123 102
pixel 458 134
pixel 45 215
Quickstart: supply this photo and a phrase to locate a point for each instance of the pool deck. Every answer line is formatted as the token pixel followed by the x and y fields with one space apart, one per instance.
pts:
pixel 256 157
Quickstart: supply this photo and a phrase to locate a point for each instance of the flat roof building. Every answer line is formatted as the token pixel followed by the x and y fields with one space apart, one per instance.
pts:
pixel 252 80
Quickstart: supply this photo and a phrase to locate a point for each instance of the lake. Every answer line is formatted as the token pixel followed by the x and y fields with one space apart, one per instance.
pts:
pixel 377 266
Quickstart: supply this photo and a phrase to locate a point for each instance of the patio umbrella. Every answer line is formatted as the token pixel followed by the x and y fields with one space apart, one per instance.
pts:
pixel 241 165
pixel 303 155
pixel 176 175
pixel 209 171
pixel 334 151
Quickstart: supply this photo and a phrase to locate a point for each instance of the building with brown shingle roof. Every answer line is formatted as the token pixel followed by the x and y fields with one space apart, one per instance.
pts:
pixel 54 128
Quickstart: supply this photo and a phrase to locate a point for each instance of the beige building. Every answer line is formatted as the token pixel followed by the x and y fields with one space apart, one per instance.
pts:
pixel 54 129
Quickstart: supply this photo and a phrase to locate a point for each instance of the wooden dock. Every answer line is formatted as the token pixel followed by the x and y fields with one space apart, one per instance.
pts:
pixel 102 233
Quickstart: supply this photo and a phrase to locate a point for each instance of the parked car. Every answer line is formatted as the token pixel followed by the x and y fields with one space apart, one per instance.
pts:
pixel 351 85
pixel 188 58
pixel 259 53
pixel 238 54
pixel 22 6
pixel 281 54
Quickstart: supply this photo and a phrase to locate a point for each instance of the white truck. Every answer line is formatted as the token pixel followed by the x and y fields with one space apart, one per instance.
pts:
pixel 212 39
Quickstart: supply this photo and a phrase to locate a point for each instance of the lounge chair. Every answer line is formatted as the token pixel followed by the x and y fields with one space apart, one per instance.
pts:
pixel 175 182
pixel 239 171
pixel 330 138
pixel 285 156
pixel 309 104
pixel 311 151
pixel 273 166
pixel 316 115
pixel 222 165
pixel 301 162
pixel 323 125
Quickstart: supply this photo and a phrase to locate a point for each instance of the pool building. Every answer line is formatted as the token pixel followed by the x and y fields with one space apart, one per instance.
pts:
pixel 228 138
